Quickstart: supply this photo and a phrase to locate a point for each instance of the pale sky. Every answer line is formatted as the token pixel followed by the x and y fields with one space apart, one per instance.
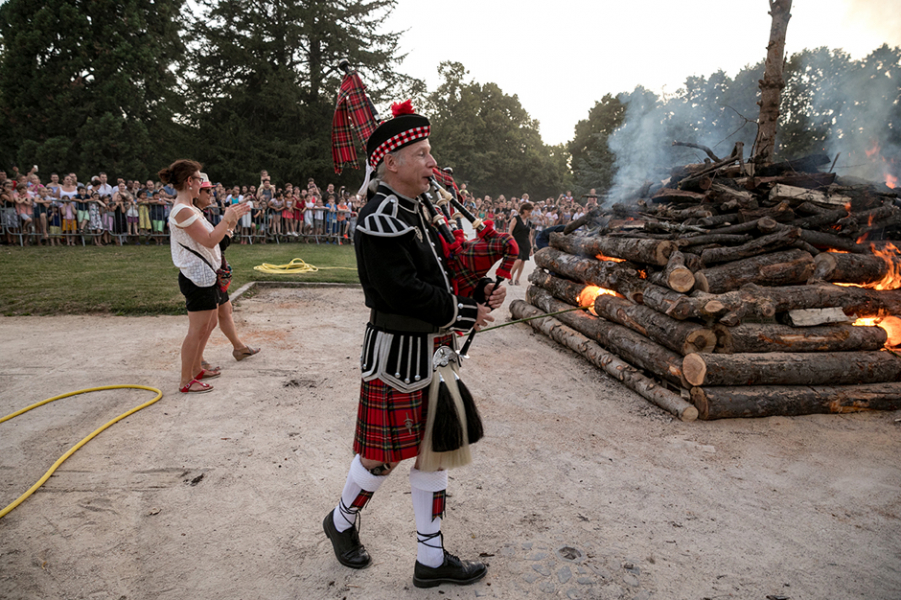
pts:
pixel 561 57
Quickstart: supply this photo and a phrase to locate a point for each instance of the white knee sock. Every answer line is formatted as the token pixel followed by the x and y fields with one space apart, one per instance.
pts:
pixel 428 491
pixel 360 486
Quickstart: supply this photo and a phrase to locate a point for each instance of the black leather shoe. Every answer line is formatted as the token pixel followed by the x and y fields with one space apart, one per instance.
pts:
pixel 454 570
pixel 348 549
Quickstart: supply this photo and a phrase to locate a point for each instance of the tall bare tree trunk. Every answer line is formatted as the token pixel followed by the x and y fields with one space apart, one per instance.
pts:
pixel 772 83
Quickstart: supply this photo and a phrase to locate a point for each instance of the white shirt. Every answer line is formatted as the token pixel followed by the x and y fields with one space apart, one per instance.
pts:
pixel 191 266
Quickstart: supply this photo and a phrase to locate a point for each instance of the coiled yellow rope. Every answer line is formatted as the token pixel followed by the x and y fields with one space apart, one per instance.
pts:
pixel 296 266
pixel 62 459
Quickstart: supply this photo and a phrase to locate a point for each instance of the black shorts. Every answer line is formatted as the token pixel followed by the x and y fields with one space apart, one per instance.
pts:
pixel 200 298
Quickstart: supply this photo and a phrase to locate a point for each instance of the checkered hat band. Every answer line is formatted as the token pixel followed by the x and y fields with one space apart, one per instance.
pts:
pixel 399 141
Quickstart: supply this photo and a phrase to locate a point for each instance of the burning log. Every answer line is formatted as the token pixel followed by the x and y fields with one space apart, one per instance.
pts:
pixel 771 337
pixel 568 291
pixel 632 347
pixel 611 364
pixel 679 336
pixel 851 268
pixel 676 276
pixel 782 212
pixel 787 368
pixel 579 268
pixel 652 252
pixel 768 401
pixel 778 268
pixel 828 241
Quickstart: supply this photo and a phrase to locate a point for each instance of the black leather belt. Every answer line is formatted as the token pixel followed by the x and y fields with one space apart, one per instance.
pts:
pixel 400 323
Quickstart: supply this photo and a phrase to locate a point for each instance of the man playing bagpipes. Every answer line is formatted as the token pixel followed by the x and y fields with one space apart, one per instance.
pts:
pixel 412 403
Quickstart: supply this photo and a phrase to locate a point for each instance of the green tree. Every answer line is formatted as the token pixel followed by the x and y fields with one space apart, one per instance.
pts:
pixel 86 86
pixel 490 140
pixel 592 159
pixel 265 82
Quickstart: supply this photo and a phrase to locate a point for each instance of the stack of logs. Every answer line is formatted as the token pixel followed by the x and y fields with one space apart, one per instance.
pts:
pixel 727 292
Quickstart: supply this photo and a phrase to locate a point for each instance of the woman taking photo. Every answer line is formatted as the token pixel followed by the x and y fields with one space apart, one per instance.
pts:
pixel 521 230
pixel 195 251
pixel 224 313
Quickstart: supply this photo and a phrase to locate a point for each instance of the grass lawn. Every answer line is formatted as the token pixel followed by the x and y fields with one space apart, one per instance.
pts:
pixel 139 280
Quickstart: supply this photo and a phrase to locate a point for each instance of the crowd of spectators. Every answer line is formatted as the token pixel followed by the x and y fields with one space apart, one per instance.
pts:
pixel 65 211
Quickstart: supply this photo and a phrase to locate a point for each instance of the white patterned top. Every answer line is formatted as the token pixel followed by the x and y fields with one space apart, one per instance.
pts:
pixel 188 263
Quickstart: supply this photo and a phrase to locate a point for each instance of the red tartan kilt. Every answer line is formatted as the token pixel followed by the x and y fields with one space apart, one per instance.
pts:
pixel 390 423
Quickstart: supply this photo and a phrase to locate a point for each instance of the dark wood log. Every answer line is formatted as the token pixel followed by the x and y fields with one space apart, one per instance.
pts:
pixel 678 196
pixel 683 337
pixel 759 302
pixel 737 228
pixel 801 180
pixel 651 252
pixel 782 213
pixel 717 220
pixel 864 219
pixel 788 368
pixel 851 268
pixel 632 347
pixel 609 362
pixel 853 300
pixel 828 241
pixel 676 276
pixel 761 245
pixel 790 401
pixel 693 212
pixel 777 268
pixel 726 239
pixel 772 337
pixel 722 194
pixel 581 268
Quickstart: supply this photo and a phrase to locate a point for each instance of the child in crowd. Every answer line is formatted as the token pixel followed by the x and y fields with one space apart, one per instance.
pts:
pixel 309 203
pixel 331 213
pixel 54 223
pixel 288 213
pixel 70 224
pixel 95 209
pixel 157 207
pixel 143 216
pixel 109 217
pixel 341 217
pixel 25 210
pixel 132 216
pixel 319 217
pixel 81 208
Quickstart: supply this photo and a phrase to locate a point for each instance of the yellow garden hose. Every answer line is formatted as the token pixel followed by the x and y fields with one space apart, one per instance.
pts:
pixel 296 266
pixel 62 459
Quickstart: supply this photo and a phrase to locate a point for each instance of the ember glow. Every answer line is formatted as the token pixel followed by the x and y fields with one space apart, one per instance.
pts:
pixel 892 326
pixel 590 293
pixel 610 258
pixel 892 257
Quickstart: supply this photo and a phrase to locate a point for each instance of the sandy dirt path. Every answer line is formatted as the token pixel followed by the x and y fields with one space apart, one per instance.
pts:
pixel 581 489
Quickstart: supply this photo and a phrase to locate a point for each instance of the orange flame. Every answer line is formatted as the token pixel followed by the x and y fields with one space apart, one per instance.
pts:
pixel 590 293
pixel 892 326
pixel 610 258
pixel 891 181
pixel 872 152
pixel 892 257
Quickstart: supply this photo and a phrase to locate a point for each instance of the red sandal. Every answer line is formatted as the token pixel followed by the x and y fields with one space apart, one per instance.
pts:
pixel 188 389
pixel 207 374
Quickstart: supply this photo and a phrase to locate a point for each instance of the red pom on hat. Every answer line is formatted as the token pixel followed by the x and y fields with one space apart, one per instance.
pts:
pixel 404 108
